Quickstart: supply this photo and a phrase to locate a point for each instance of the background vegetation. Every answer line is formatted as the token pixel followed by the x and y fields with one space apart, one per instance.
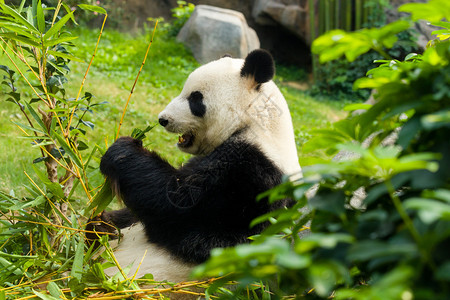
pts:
pixel 391 245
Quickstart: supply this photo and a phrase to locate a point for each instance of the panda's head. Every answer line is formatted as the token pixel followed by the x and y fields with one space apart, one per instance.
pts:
pixel 215 100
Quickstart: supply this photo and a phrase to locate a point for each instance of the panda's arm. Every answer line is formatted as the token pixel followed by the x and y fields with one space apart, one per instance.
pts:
pixel 139 176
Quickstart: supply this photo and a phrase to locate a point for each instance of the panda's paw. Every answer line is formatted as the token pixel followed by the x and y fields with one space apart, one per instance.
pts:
pixel 98 226
pixel 118 156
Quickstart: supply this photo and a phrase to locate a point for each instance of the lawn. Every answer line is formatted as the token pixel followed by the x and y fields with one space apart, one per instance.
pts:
pixel 110 79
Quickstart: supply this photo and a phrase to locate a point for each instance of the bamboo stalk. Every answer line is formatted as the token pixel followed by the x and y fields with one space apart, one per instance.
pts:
pixel 366 12
pixel 84 78
pixel 327 14
pixel 348 15
pixel 331 8
pixel 337 12
pixel 358 14
pixel 321 17
pixel 135 81
pixel 312 32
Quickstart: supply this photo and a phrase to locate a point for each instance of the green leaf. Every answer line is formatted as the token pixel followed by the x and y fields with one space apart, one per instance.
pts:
pixel 436 120
pixel 429 210
pixel 23 126
pixel 33 203
pixel 18 17
pixel 443 272
pixel 19 29
pixel 139 134
pixel 332 202
pixel 101 200
pixel 40 17
pixel 68 148
pixel 357 106
pixel 53 187
pixel 323 240
pixel 56 27
pixel 64 55
pixel 77 266
pixel 36 117
pixel 44 296
pixel 433 11
pixel 325 275
pixel 54 42
pixel 369 250
pixel 292 260
pixel 54 290
pixel 19 38
pixel 9 267
pixel 93 8
pixel 68 11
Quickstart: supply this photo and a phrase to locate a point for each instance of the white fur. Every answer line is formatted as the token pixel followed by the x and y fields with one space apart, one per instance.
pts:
pixel 232 103
pixel 157 261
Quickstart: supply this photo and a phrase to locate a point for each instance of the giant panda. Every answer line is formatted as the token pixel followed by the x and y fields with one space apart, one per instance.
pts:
pixel 235 122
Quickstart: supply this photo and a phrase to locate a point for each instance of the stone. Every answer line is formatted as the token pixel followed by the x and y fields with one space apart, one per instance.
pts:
pixel 212 32
pixel 292 15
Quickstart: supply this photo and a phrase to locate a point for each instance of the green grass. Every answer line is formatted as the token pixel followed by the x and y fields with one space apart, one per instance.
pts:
pixel 110 79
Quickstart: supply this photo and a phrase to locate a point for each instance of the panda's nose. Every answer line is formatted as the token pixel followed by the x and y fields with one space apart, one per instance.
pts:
pixel 163 122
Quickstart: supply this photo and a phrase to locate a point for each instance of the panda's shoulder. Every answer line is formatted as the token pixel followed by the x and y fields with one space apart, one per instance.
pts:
pixel 239 154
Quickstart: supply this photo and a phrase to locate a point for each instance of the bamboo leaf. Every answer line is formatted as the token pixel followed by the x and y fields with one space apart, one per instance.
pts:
pixel 101 200
pixel 18 17
pixel 19 10
pixel 53 187
pixel 23 126
pixel 56 27
pixel 33 203
pixel 53 42
pixel 93 8
pixel 54 290
pixel 5 264
pixel 36 117
pixel 19 38
pixel 62 141
pixel 68 10
pixel 44 296
pixel 17 28
pixel 77 266
pixel 40 18
pixel 64 55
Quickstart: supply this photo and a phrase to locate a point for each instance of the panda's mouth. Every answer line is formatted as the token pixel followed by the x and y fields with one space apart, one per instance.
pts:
pixel 186 140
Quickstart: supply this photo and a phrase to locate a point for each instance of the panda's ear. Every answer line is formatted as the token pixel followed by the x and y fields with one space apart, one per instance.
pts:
pixel 258 66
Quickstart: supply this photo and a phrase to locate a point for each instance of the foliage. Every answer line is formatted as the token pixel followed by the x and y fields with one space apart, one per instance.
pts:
pixel 336 77
pixel 380 215
pixel 181 14
pixel 40 232
pixel 42 245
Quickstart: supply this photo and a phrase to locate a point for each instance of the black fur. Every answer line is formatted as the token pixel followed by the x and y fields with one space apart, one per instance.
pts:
pixel 258 65
pixel 121 218
pixel 196 104
pixel 207 203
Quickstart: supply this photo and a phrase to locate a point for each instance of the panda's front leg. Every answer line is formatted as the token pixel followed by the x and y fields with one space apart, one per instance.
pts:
pixel 136 174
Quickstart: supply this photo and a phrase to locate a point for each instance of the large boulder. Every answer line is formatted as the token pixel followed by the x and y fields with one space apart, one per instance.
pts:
pixel 290 14
pixel 212 32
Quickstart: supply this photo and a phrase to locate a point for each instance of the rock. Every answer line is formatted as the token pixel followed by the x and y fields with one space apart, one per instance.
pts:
pixel 212 32
pixel 292 15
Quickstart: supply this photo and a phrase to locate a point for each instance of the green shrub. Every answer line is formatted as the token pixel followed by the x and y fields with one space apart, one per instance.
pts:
pixel 335 78
pixel 392 242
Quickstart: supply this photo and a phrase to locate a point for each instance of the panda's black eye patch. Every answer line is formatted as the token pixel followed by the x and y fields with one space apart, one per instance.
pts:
pixel 196 104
